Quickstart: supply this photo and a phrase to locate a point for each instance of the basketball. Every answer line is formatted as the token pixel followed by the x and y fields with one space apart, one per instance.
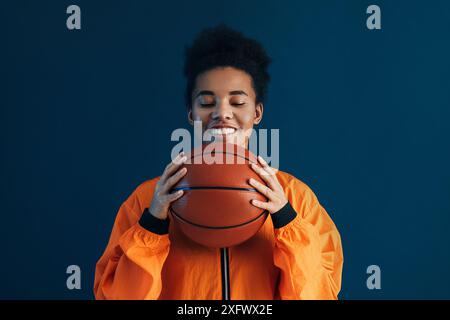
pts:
pixel 215 209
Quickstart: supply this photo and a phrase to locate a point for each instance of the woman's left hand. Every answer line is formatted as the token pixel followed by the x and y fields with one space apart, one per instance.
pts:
pixel 273 191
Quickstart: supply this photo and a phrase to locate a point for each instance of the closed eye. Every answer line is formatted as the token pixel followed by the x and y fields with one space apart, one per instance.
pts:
pixel 212 104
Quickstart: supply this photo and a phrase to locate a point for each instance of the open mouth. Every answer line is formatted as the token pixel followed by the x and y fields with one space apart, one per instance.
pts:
pixel 221 131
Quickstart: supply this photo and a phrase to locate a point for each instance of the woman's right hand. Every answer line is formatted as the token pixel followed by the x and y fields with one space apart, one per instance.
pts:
pixel 162 198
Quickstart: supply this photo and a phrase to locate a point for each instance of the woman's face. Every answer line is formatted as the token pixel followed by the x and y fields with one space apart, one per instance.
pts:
pixel 223 99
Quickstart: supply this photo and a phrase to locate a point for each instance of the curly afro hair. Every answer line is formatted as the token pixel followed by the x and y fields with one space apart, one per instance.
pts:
pixel 222 46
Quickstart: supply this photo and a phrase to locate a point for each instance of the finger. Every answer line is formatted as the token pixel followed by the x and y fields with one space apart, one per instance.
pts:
pixel 266 166
pixel 264 175
pixel 262 189
pixel 274 183
pixel 173 166
pixel 261 204
pixel 173 180
pixel 171 197
pixel 260 170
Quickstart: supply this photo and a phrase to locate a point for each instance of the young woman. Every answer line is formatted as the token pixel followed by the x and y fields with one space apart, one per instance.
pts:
pixel 297 254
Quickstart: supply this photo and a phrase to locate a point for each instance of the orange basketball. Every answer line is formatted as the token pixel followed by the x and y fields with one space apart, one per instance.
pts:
pixel 215 209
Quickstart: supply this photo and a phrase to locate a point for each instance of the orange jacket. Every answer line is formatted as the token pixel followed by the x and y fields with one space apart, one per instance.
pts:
pixel 298 260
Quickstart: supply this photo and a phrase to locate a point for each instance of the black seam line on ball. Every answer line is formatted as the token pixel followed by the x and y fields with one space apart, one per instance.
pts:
pixel 213 188
pixel 221 152
pixel 209 227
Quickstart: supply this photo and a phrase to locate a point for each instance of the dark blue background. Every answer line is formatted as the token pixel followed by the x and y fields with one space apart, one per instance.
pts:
pixel 363 115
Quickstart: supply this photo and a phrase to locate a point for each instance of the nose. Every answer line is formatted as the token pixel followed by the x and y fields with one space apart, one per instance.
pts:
pixel 222 111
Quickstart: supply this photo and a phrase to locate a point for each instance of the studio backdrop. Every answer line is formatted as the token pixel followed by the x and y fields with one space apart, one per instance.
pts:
pixel 361 103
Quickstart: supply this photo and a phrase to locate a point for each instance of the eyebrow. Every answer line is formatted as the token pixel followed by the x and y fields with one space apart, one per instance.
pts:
pixel 210 93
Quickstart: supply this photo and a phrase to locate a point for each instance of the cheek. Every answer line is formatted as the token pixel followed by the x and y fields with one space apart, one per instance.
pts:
pixel 200 114
pixel 203 116
pixel 246 120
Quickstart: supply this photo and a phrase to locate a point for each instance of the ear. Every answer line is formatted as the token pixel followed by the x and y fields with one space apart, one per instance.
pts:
pixel 190 118
pixel 259 109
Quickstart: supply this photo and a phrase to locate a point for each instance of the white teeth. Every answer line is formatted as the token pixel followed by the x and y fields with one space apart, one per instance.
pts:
pixel 222 131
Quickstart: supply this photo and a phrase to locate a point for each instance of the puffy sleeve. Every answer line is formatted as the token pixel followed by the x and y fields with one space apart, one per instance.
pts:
pixel 131 265
pixel 308 248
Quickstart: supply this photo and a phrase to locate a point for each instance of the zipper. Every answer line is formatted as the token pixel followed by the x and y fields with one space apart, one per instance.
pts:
pixel 225 269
